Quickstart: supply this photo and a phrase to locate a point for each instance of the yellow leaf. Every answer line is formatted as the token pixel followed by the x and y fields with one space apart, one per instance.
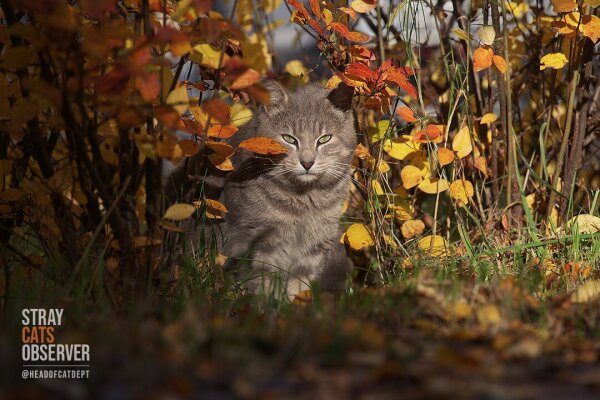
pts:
pixel 207 55
pixel 586 292
pixel 487 35
pixel 592 3
pixel 411 176
pixel 412 228
pixel 179 99
pixel 363 6
pixel 488 315
pixel 378 132
pixel 586 224
pixel 553 60
pixel 179 211
pixel 461 191
pixel 401 148
pixel 435 245
pixel 445 156
pixel 434 185
pixel 462 34
pixel 377 187
pixel 489 118
pixel 240 114
pixel 358 236
pixel 296 68
pixel 327 16
pixel 462 142
pixel 401 207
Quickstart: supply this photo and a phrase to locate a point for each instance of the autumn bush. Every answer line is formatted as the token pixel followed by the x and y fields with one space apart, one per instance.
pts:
pixel 477 147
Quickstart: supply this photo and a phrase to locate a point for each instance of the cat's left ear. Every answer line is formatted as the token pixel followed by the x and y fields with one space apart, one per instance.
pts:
pixel 341 97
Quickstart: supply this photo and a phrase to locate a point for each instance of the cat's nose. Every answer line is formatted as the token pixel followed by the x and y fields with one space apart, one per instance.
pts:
pixel 307 164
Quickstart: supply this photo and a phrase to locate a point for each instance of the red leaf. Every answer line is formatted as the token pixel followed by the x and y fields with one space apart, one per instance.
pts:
pixel 113 83
pixel 314 6
pixel 362 71
pixel 148 85
pixel 300 7
pixel 400 77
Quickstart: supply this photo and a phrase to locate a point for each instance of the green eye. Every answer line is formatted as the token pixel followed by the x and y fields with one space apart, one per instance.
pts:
pixel 289 139
pixel 324 139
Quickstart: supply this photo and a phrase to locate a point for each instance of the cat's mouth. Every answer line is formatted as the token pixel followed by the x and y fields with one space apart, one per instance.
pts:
pixel 306 176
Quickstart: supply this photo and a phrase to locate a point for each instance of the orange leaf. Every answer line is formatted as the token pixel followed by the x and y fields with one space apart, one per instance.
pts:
pixel 500 63
pixel 445 156
pixel 189 147
pixel 481 165
pixel 406 114
pixel 563 5
pixel 350 12
pixel 217 109
pixel 482 58
pixel 590 27
pixel 222 131
pixel 432 133
pixel 362 71
pixel 263 145
pixel 221 162
pixel 314 6
pixel 220 148
pixel 345 33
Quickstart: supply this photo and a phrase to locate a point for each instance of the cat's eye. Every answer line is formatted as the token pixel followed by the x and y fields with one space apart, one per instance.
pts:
pixel 290 139
pixel 324 139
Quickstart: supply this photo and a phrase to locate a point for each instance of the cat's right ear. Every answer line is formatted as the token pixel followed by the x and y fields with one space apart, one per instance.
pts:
pixel 277 95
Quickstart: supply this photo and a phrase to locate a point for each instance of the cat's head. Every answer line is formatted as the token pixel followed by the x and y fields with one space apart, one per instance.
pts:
pixel 317 128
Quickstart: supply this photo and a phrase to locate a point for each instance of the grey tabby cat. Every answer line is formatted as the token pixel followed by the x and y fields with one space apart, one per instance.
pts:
pixel 282 226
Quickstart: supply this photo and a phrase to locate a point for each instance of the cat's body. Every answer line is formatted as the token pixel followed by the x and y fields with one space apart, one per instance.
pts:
pixel 283 211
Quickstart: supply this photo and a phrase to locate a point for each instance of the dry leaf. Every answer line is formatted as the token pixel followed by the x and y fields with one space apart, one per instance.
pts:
pixel 586 292
pixel 487 35
pixel 412 228
pixel 179 211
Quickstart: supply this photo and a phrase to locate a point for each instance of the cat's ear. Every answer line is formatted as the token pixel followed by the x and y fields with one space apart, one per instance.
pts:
pixel 341 97
pixel 277 95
